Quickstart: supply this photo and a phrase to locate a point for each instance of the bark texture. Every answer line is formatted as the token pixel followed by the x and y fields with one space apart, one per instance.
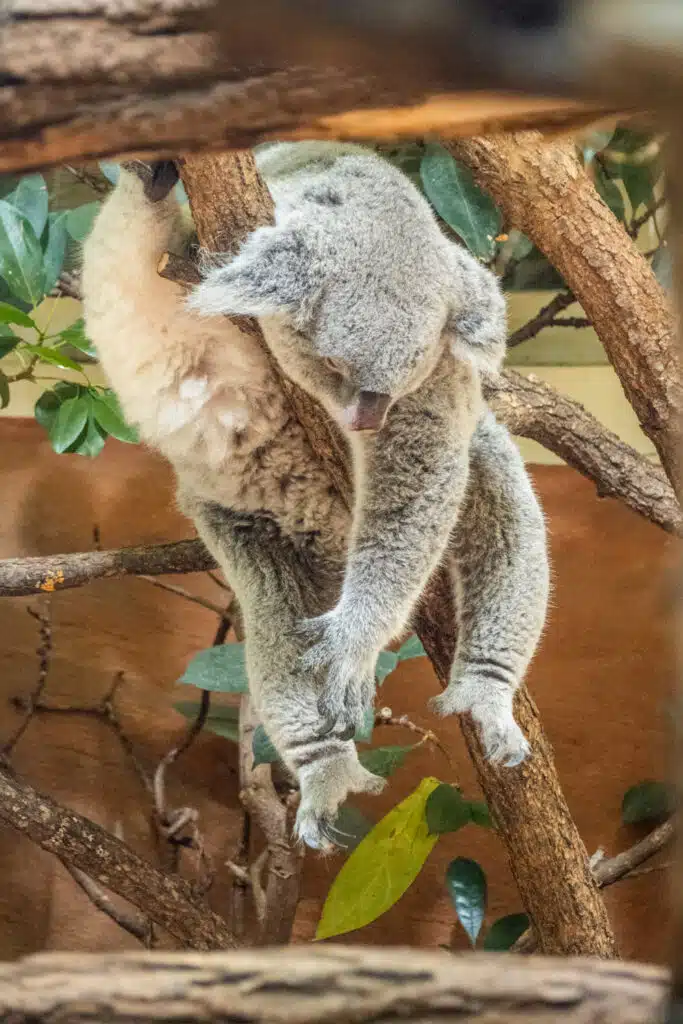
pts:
pixel 81 80
pixel 334 984
pixel 543 190
pixel 165 899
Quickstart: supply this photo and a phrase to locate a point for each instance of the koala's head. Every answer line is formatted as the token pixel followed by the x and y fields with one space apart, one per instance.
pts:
pixel 364 313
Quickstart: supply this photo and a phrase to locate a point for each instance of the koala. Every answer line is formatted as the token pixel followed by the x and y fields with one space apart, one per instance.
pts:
pixel 388 324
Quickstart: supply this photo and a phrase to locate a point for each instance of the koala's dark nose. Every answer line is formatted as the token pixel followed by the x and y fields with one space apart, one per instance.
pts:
pixel 368 412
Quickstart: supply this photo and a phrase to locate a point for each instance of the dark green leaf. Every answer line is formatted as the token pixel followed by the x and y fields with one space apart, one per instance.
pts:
pixel 107 412
pixel 351 827
pixel 222 721
pixel 386 663
pixel 446 810
pixel 504 932
pixel 69 423
pixel 627 141
pixel 91 443
pixel 67 389
pixel 648 801
pixel 11 315
pixel 383 760
pixel 221 669
pixel 364 732
pixel 54 250
pixel 638 184
pixel 466 883
pixel 412 648
pixel 75 336
pixel 459 201
pixel 4 390
pixel 31 200
pixel 21 257
pixel 610 193
pixel 381 868
pixel 263 750
pixel 79 222
pixel 53 356
pixel 479 814
pixel 8 342
pixel 46 409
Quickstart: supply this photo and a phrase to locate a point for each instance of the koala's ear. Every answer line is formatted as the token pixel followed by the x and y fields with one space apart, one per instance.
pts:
pixel 477 325
pixel 268 275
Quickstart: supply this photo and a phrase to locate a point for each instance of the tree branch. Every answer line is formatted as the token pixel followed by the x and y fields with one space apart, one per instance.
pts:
pixel 135 924
pixel 327 985
pixel 544 318
pixel 166 900
pixel 530 408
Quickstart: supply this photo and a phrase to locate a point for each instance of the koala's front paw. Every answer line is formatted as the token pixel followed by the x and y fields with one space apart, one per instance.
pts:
pixel 324 787
pixel 348 689
pixel 158 178
pixel 502 739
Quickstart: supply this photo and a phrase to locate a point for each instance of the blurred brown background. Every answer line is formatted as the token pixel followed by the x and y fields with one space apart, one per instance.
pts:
pixel 602 681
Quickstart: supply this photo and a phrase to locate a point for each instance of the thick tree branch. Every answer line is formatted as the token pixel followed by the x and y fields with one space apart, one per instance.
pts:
pixel 328 985
pixel 530 408
pixel 543 191
pixel 166 900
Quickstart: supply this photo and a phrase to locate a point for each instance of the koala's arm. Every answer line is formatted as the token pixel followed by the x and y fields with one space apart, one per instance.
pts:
pixel 501 578
pixel 410 481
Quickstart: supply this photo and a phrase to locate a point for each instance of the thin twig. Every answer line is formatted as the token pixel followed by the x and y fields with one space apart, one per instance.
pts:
pixel 385 717
pixel 578 322
pixel 100 185
pixel 44 652
pixel 181 592
pixel 651 212
pixel 543 319
pixel 137 925
pixel 215 578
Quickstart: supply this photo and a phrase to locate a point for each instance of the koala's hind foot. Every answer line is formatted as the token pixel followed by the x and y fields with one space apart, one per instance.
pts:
pixel 491 710
pixel 158 178
pixel 324 787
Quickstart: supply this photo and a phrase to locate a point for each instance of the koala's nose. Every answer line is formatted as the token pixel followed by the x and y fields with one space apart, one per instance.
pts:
pixel 368 412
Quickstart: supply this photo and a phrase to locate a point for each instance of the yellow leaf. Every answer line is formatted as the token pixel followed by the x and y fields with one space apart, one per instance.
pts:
pixel 381 867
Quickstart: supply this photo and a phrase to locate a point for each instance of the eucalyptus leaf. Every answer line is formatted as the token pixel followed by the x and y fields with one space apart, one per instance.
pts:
pixel 4 390
pixel 107 412
pixel 466 884
pixel 383 760
pixel 11 315
pixel 31 200
pixel 480 814
pixel 263 750
pixel 648 802
pixel 21 256
pixel 69 423
pixel 350 827
pixel 79 221
pixel 504 932
pixel 223 721
pixel 412 648
pixel 460 202
pixel 54 250
pixel 386 663
pixel 381 868
pixel 221 669
pixel 446 810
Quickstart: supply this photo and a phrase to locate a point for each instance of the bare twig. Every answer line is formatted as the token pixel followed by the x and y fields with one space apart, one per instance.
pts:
pixel 181 592
pixel 649 214
pixel 215 578
pixel 98 183
pixel 135 924
pixel 578 322
pixel 385 717
pixel 42 616
pixel 544 318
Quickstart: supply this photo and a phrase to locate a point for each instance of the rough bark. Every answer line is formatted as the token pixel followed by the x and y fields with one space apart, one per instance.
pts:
pixel 167 900
pixel 84 80
pixel 530 408
pixel 304 985
pixel 543 190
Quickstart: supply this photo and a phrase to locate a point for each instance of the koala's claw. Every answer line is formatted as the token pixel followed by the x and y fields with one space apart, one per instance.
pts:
pixel 502 739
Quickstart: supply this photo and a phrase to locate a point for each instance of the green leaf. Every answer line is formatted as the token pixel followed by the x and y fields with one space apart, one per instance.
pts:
pixel 386 663
pixel 107 412
pixel 54 250
pixel 8 342
pixel 412 648
pixel 446 810
pixel 381 868
pixel 364 732
pixel 627 141
pixel 466 883
pixel 75 336
pixel 480 814
pixel 648 801
pixel 638 184
pixel 459 201
pixel 221 669
pixel 263 750
pixel 53 356
pixel 223 721
pixel 610 193
pixel 4 390
pixel 31 200
pixel 91 443
pixel 504 932
pixel 69 423
pixel 11 315
pixel 79 221
pixel 21 257
pixel 383 760
pixel 46 409
pixel 351 826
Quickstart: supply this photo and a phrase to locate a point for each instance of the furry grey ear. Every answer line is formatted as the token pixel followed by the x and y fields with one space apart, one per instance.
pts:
pixel 477 323
pixel 268 275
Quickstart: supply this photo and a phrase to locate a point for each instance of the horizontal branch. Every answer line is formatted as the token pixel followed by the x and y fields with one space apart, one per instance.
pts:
pixel 326 985
pixel 530 408
pixel 167 900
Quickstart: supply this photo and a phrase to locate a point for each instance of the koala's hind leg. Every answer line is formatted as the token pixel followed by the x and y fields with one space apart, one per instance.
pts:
pixel 501 577
pixel 278 579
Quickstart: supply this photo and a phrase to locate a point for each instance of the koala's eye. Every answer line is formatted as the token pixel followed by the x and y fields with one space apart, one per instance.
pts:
pixel 336 365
